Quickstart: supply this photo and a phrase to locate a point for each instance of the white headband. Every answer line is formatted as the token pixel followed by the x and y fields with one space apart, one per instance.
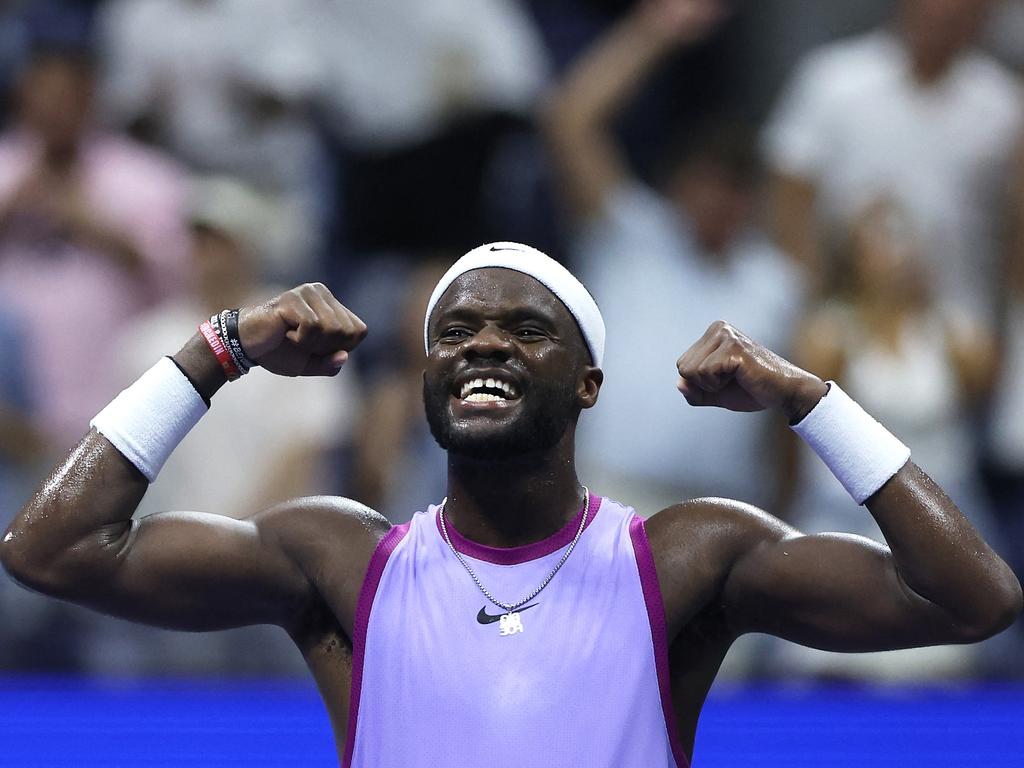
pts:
pixel 544 269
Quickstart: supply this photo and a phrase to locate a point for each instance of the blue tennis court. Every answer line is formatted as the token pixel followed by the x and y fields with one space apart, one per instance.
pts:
pixel 45 723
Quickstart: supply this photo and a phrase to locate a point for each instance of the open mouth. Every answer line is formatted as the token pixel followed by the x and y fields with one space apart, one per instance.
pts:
pixel 489 390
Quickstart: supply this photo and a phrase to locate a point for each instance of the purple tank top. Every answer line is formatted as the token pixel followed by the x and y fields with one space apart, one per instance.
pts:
pixel 435 683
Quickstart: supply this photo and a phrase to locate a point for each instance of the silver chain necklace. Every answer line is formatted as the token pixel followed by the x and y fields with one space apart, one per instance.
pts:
pixel 511 621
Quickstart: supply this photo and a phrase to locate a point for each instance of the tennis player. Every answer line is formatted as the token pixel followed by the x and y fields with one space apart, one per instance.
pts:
pixel 525 621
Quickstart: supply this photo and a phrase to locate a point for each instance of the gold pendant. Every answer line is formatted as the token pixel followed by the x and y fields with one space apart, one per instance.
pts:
pixel 511 623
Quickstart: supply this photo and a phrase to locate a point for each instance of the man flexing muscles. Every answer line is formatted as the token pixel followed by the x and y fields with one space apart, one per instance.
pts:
pixel 526 620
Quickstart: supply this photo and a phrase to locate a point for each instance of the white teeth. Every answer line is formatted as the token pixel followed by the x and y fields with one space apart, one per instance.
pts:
pixel 469 386
pixel 483 397
pixel 467 392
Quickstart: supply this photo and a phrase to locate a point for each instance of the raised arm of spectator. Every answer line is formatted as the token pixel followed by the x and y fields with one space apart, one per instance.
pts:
pixel 76 538
pixel 577 119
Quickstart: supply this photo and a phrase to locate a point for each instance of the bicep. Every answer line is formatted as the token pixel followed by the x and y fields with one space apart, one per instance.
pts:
pixel 198 571
pixel 836 592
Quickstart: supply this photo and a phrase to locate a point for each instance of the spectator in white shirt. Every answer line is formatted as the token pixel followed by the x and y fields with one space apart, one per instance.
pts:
pixel 226 85
pixel 664 265
pixel 912 112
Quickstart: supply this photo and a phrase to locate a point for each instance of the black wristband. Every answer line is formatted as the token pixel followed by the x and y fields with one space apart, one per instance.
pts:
pixel 234 341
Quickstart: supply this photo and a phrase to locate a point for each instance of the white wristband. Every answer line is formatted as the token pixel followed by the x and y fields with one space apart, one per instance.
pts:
pixel 148 420
pixel 861 453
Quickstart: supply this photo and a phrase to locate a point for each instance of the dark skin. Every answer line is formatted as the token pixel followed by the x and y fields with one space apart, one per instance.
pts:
pixel 55 97
pixel 724 568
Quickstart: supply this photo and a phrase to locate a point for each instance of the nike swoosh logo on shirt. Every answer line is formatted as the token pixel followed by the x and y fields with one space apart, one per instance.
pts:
pixel 493 248
pixel 485 618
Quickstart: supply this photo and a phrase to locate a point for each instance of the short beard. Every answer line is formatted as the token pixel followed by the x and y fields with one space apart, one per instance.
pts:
pixel 539 427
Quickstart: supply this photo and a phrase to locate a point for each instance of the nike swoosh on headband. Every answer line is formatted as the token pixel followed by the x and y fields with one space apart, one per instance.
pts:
pixel 485 618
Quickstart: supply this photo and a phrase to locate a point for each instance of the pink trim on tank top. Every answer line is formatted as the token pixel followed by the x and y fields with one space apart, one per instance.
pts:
pixel 526 553
pixel 374 571
pixel 659 632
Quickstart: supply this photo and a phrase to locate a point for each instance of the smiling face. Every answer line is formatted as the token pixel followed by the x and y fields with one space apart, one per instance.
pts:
pixel 507 371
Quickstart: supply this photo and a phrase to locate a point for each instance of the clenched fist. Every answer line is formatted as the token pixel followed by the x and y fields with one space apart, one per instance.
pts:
pixel 728 370
pixel 302 332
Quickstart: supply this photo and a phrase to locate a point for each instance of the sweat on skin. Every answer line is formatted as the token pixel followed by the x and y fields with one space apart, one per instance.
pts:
pixel 715 568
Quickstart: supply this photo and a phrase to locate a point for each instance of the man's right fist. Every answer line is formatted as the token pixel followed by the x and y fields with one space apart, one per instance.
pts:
pixel 302 332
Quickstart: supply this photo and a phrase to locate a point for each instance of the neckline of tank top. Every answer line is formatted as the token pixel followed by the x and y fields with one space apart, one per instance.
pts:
pixel 525 553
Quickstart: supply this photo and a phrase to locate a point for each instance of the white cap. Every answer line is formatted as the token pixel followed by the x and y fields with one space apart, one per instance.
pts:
pixel 556 278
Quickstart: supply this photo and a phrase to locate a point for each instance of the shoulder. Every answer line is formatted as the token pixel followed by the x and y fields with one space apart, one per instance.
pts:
pixel 332 541
pixel 712 532
pixel 698 544
pixel 989 76
pixel 827 86
pixel 987 86
pixel 854 58
pixel 316 524
pixel 719 515
pixel 838 76
pixel 328 511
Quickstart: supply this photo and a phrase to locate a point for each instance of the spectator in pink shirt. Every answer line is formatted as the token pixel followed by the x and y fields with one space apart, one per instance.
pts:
pixel 91 231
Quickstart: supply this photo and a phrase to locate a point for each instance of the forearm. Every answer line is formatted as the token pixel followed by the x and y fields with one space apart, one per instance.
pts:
pixel 80 517
pixel 606 76
pixel 937 554
pixel 76 539
pixel 577 118
pixel 940 556
pixel 77 520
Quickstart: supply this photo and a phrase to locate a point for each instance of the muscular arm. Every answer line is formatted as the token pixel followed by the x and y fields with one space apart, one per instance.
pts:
pixel 76 538
pixel 577 120
pixel 936 582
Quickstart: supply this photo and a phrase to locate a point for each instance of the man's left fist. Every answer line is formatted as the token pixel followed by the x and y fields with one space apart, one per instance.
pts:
pixel 728 370
pixel 303 332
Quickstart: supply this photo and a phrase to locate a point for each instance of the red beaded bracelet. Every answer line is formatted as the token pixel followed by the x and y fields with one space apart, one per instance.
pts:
pixel 220 351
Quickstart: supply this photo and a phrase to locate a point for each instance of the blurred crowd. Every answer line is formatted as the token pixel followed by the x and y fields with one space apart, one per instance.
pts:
pixel 844 182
